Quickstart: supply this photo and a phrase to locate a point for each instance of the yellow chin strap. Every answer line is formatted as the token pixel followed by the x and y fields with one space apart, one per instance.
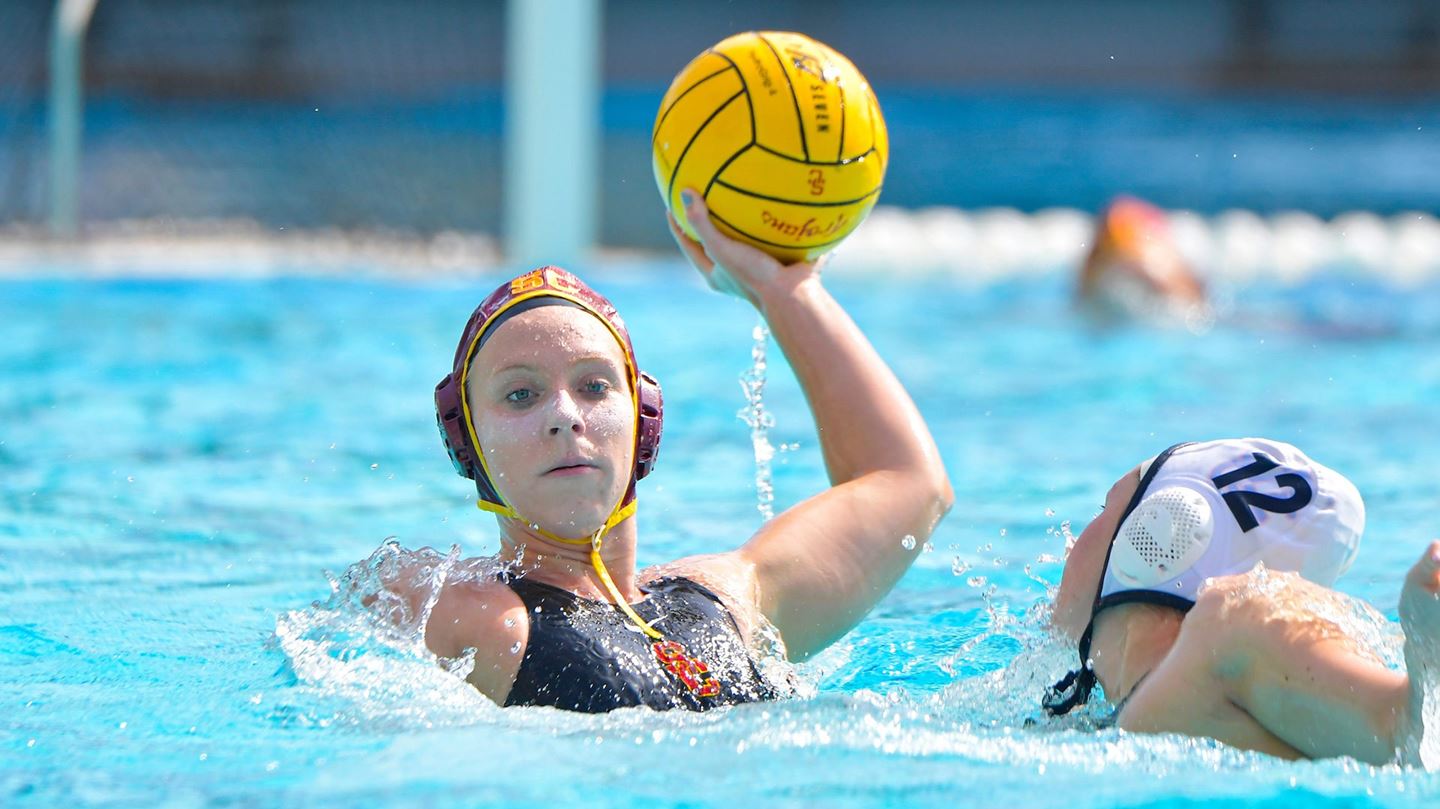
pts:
pixel 620 515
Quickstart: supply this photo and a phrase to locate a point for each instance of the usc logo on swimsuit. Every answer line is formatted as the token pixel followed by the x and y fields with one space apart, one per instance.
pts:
pixel 693 673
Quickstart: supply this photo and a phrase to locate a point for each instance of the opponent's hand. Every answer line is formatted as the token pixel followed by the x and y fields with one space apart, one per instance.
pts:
pixel 730 266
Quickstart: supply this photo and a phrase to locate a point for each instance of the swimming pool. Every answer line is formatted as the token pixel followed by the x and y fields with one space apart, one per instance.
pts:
pixel 183 459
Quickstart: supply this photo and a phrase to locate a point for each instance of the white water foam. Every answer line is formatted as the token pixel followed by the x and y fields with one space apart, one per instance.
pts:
pixel 365 645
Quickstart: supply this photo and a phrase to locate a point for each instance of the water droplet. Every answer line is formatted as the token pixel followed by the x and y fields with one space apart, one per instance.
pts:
pixel 515 648
pixel 374 466
pixel 907 542
pixel 1003 531
pixel 928 547
pixel 31 743
pixel 509 622
pixel 958 566
pixel 1049 512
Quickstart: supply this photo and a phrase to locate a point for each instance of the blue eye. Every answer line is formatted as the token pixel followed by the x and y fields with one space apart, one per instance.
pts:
pixel 519 396
pixel 597 387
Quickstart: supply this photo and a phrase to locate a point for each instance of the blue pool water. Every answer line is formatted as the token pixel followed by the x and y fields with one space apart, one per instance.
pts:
pixel 184 460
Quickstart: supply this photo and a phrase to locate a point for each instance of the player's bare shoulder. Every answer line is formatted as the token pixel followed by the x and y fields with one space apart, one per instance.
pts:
pixel 486 619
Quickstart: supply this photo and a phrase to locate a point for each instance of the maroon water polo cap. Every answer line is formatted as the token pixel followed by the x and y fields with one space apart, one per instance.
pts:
pixel 544 286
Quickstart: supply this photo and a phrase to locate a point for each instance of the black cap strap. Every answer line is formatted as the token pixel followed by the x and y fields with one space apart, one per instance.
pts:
pixel 1073 690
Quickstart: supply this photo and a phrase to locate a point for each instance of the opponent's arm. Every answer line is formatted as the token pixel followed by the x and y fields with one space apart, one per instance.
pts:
pixel 1299 676
pixel 821 565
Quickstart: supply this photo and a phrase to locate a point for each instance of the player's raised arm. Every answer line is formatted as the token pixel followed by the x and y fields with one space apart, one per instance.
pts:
pixel 821 565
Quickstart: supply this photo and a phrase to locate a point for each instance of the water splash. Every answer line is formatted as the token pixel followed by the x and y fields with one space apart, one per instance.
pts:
pixel 772 659
pixel 752 384
pixel 365 645
pixel 1019 634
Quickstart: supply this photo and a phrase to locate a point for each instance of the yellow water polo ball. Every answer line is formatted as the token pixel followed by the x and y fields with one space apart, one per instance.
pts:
pixel 782 136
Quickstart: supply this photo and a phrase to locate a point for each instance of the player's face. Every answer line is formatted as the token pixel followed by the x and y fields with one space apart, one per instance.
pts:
pixel 550 395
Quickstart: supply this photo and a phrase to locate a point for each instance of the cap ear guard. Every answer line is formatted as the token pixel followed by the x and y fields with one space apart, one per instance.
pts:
pixel 451 421
pixel 652 420
pixel 452 427
pixel 1163 537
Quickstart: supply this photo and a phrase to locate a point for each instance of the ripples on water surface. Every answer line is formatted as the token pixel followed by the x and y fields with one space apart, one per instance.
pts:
pixel 184 460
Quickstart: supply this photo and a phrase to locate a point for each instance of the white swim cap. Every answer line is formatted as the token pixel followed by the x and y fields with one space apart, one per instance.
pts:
pixel 1218 508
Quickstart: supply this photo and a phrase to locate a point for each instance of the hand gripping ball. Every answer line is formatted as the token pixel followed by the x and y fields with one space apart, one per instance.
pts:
pixel 782 136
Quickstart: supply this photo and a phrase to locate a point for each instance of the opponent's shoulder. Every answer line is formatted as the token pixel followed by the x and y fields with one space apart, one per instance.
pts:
pixel 1225 609
pixel 1186 687
pixel 1240 617
pixel 1258 594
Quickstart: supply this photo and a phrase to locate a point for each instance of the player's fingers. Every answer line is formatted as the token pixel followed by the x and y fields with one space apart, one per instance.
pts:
pixel 1426 572
pixel 723 249
pixel 693 249
pixel 1431 558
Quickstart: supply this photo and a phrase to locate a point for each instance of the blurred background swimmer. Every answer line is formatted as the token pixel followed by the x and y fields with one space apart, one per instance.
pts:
pixel 1135 269
pixel 548 412
pixel 1200 599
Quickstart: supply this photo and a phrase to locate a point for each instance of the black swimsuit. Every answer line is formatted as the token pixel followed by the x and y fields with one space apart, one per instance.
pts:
pixel 586 655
